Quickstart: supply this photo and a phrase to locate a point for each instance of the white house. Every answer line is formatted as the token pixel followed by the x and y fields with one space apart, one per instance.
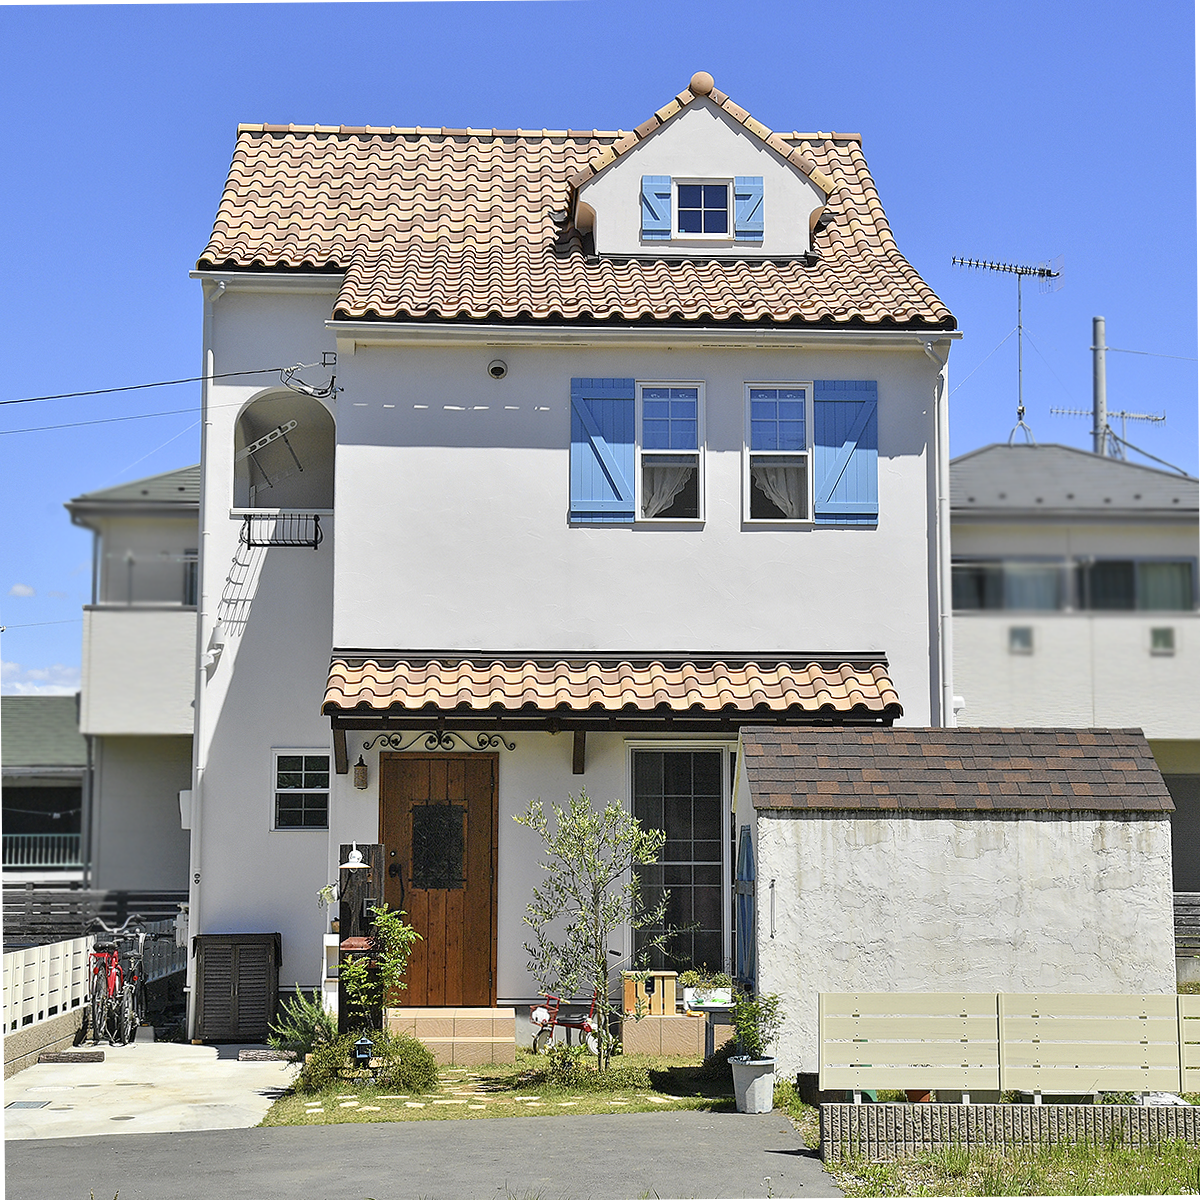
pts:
pixel 636 437
pixel 138 679
pixel 1075 604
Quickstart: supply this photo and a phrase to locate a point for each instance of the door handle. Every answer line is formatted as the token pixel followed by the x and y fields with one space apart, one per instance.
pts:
pixel 396 871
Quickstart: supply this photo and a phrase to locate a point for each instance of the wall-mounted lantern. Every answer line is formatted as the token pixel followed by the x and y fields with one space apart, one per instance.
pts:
pixel 360 774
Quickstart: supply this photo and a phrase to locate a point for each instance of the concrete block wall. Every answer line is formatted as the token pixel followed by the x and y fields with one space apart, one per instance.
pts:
pixel 22 1047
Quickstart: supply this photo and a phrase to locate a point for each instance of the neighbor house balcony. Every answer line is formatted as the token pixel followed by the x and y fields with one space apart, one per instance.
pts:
pixel 41 851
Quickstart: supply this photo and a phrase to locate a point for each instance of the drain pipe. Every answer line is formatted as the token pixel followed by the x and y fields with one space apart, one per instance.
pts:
pixel 947 717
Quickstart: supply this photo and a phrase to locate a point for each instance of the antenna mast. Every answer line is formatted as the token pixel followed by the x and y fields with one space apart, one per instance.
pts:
pixel 1042 271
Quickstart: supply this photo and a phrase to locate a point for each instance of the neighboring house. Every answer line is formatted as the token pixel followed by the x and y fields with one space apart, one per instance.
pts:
pixel 1075 604
pixel 138 679
pixel 44 780
pixel 632 427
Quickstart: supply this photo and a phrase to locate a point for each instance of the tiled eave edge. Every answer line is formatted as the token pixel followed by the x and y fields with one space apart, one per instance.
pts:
pixel 974 514
pixel 352 334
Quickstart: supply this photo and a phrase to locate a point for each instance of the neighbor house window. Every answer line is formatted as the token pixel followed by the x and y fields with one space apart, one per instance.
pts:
pixel 679 792
pixel 191 577
pixel 778 475
pixel 669 439
pixel 1020 639
pixel 1012 585
pixel 1162 640
pixel 301 790
pixel 1116 584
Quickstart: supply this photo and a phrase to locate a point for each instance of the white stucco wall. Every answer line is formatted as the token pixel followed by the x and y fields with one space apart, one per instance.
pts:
pixel 138 670
pixel 702 143
pixel 1087 668
pixel 138 842
pixel 1019 903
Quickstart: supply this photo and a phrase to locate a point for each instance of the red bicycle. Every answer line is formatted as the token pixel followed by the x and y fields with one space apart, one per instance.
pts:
pixel 546 1018
pixel 113 997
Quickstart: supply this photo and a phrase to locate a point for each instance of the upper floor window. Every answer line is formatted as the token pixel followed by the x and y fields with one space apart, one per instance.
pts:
pixel 1012 585
pixel 1116 584
pixel 684 208
pixel 669 475
pixel 778 477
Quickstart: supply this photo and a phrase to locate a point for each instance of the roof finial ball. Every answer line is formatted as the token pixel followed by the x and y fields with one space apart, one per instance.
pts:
pixel 702 84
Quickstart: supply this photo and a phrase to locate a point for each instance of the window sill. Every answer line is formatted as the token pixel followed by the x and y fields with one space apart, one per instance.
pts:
pixel 669 523
pixel 778 523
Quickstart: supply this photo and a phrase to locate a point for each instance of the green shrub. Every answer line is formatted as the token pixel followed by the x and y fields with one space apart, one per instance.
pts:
pixel 758 1020
pixel 399 1063
pixel 702 977
pixel 717 1063
pixel 572 1069
pixel 302 1025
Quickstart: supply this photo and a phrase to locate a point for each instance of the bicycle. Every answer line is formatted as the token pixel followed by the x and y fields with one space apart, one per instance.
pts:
pixel 546 1017
pixel 119 1002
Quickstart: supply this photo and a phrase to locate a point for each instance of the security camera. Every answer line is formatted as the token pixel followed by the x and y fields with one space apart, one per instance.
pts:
pixel 497 368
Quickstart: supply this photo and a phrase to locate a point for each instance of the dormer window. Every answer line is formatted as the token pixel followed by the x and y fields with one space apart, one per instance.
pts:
pixel 702 208
pixel 682 208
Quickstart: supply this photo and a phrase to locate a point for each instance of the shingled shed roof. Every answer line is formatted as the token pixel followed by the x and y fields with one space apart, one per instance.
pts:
pixel 451 224
pixel 945 770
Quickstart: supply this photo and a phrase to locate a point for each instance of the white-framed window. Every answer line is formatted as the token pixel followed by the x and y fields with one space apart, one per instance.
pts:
pixel 777 470
pixel 1020 639
pixel 702 208
pixel 670 434
pixel 1162 640
pixel 301 789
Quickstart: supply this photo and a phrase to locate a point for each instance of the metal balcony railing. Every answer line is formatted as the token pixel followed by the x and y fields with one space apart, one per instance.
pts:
pixel 282 529
pixel 41 850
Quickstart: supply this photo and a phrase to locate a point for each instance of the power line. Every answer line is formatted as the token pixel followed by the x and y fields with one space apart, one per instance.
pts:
pixel 1150 354
pixel 100 421
pixel 35 624
pixel 134 387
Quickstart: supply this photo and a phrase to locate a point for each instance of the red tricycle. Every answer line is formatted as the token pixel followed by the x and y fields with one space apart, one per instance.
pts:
pixel 546 1018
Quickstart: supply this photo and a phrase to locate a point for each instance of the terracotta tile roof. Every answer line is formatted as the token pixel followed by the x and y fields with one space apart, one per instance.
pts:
pixel 608 685
pixel 932 770
pixel 446 224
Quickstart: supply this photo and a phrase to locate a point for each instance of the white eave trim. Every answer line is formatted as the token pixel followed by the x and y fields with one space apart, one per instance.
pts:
pixel 351 334
pixel 321 283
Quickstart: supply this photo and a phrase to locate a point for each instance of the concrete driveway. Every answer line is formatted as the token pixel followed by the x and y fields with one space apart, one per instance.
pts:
pixel 145 1087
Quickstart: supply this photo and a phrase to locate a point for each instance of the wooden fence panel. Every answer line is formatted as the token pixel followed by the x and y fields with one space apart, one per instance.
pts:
pixel 908 1039
pixel 1073 1043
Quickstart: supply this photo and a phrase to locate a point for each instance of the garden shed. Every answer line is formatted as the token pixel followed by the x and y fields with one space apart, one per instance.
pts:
pixel 893 859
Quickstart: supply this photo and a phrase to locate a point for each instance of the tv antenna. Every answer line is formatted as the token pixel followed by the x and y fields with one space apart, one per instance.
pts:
pixel 1115 447
pixel 1046 274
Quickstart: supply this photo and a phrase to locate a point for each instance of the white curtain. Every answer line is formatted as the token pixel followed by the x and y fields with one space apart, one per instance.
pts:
pixel 660 486
pixel 783 486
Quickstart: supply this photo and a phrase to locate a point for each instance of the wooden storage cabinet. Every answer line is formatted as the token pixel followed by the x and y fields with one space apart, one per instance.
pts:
pixel 237 979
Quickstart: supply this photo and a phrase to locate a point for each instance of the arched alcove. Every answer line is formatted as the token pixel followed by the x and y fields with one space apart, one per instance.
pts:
pixel 283 453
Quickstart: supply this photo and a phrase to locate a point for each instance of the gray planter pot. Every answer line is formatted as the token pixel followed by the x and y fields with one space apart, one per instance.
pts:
pixel 753 1084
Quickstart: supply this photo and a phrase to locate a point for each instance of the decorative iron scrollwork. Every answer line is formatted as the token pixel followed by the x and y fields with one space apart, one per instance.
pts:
pixel 439 740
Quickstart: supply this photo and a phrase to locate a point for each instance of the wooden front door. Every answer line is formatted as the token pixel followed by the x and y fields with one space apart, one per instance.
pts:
pixel 437 823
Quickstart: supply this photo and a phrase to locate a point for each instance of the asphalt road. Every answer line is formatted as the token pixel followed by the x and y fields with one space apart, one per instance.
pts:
pixel 617 1157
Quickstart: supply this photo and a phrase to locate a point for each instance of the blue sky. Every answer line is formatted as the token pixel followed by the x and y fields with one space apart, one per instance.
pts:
pixel 997 129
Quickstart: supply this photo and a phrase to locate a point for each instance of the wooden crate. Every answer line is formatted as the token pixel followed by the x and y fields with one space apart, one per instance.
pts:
pixel 657 993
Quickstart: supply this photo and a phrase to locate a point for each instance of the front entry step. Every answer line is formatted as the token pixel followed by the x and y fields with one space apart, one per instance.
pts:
pixel 461 1037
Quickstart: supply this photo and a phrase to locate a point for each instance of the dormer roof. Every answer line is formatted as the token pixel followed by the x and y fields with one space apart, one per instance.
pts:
pixel 430 224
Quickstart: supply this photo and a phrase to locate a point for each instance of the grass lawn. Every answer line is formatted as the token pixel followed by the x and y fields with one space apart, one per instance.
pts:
pixel 1170 1169
pixel 516 1091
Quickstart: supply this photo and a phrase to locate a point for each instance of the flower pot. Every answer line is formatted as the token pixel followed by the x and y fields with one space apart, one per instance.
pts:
pixel 753 1084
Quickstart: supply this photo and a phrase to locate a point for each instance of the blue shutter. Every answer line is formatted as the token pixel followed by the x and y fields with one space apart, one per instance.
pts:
pixel 846 452
pixel 602 440
pixel 656 206
pixel 746 965
pixel 748 208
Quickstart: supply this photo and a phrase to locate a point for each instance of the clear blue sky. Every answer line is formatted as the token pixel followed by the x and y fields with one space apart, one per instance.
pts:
pixel 1004 130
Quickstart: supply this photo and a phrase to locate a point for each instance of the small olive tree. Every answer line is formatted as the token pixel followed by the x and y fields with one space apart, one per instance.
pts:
pixel 590 890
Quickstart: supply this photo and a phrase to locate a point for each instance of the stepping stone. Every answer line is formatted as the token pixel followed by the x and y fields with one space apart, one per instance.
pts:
pixel 72 1056
pixel 477 1106
pixel 254 1055
pixel 413 1104
pixel 370 1108
pixel 449 1102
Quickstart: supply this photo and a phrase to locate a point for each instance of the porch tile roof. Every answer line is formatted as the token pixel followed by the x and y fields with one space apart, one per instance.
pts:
pixel 451 224
pixel 933 770
pixel 609 684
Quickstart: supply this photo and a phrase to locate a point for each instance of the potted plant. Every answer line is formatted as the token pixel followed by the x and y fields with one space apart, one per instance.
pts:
pixel 704 990
pixel 327 896
pixel 757 1021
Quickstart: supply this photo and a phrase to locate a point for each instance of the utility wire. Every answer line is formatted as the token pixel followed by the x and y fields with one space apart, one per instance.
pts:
pixel 100 421
pixel 980 364
pixel 35 624
pixel 1147 454
pixel 134 387
pixel 1150 354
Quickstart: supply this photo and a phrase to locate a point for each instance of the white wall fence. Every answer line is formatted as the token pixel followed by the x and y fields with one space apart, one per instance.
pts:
pixel 1064 1043
pixel 41 982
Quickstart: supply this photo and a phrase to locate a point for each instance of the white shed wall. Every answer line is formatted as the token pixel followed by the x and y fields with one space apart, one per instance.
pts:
pixel 1020 903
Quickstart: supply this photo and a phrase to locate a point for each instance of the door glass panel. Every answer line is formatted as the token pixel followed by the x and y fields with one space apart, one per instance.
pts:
pixel 439 845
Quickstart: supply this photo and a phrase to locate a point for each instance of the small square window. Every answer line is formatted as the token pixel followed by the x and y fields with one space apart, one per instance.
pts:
pixel 1162 640
pixel 301 790
pixel 1020 639
pixel 702 208
pixel 669 451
